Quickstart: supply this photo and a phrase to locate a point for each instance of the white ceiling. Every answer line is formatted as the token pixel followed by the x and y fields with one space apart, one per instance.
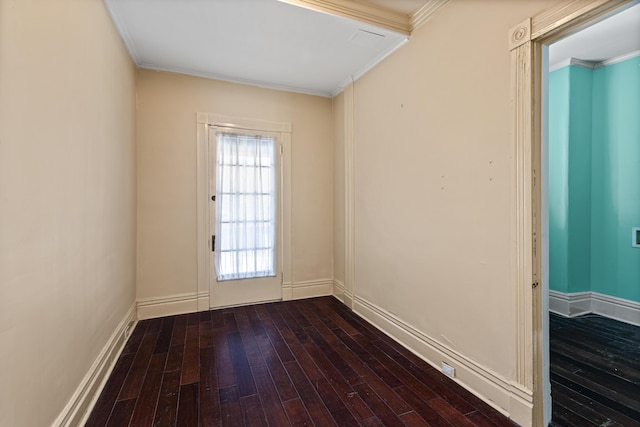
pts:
pixel 261 42
pixel 613 37
pixel 273 44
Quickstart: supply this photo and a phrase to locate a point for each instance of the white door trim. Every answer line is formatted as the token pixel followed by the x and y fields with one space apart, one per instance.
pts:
pixel 526 42
pixel 203 122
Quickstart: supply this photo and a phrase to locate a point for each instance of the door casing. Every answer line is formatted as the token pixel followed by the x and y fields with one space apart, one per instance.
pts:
pixel 526 45
pixel 204 122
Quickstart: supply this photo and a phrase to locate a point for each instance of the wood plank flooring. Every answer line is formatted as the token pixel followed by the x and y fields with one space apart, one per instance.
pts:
pixel 297 363
pixel 595 372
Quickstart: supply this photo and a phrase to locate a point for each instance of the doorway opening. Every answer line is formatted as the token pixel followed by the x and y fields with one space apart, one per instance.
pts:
pixel 527 42
pixel 590 154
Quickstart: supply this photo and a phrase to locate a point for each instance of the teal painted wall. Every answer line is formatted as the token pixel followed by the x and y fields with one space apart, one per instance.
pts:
pixel 570 110
pixel 615 205
pixel 580 111
pixel 594 179
pixel 559 179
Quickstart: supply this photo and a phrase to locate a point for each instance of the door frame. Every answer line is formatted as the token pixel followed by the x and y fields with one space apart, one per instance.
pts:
pixel 203 122
pixel 526 44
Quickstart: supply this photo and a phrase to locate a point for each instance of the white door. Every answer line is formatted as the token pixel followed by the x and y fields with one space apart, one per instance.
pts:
pixel 245 187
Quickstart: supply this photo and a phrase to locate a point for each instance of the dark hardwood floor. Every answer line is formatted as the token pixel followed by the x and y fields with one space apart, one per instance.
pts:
pixel 307 362
pixel 595 372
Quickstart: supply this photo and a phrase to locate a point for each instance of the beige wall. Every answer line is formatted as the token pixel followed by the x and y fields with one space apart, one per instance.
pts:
pixel 67 199
pixel 166 135
pixel 434 182
pixel 433 187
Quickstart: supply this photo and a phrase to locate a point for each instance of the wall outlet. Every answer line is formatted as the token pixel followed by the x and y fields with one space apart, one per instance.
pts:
pixel 448 370
pixel 635 237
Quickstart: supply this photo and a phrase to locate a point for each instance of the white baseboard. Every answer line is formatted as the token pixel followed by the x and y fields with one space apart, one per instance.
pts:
pixel 576 304
pixel 570 305
pixel 79 407
pixel 203 304
pixel 151 308
pixel 342 293
pixel 616 308
pixel 504 395
pixel 307 289
pixel 192 302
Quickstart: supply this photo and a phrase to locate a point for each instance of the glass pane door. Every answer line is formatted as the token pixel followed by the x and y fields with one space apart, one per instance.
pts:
pixel 245 190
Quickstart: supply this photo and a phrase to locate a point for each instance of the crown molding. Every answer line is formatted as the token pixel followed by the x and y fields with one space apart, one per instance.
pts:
pixel 231 79
pixel 122 30
pixel 373 14
pixel 552 24
pixel 370 14
pixel 589 65
pixel 423 14
pixel 593 65
pixel 617 59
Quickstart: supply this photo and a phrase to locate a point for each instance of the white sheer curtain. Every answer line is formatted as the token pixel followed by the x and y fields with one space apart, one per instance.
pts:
pixel 245 206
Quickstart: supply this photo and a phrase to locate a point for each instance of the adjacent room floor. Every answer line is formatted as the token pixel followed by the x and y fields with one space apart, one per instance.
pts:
pixel 306 362
pixel 595 372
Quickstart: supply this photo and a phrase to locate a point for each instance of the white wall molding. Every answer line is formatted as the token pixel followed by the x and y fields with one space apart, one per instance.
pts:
pixel 617 59
pixel 525 213
pixel 192 302
pixel 616 308
pixel 363 12
pixel 526 43
pixel 579 303
pixel 221 120
pixel 589 65
pixel 423 14
pixel 150 308
pixel 82 401
pixel 504 395
pixel 575 62
pixel 373 14
pixel 203 301
pixel 307 289
pixel 349 192
pixel 342 293
pixel 594 65
pixel 569 305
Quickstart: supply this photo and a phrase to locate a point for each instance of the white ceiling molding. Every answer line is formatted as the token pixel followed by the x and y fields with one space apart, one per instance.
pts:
pixel 423 14
pixel 124 33
pixel 234 79
pixel 593 65
pixel 589 65
pixel 367 13
pixel 617 59
pixel 614 36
